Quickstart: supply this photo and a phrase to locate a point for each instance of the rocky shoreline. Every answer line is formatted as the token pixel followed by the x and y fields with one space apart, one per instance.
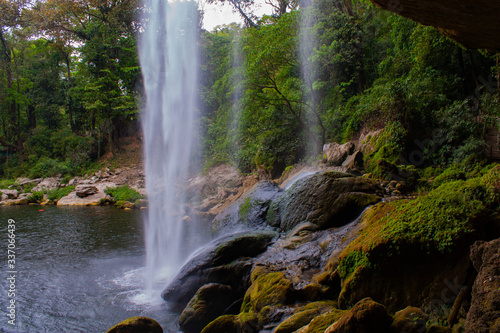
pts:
pixel 89 190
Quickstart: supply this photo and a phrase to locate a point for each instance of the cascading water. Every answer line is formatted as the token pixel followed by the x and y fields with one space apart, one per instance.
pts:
pixel 169 60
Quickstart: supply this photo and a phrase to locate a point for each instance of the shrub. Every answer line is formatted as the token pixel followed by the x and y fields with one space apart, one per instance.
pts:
pixel 47 167
pixel 35 197
pixel 123 193
pixel 58 193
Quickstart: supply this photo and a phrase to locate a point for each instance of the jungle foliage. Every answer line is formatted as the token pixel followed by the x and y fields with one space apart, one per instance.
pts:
pixel 272 91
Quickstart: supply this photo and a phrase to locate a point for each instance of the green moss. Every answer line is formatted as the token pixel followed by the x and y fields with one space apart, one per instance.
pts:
pixel 296 321
pixel 439 223
pixel 387 148
pixel 266 289
pixel 321 322
pixel 245 208
pixel 227 323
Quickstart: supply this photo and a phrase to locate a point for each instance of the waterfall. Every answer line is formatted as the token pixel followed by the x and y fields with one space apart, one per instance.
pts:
pixel 168 53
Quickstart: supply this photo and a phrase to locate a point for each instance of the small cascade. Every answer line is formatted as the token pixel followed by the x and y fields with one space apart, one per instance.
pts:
pixel 168 52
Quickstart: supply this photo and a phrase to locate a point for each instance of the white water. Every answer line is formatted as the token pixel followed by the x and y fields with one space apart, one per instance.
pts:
pixel 168 55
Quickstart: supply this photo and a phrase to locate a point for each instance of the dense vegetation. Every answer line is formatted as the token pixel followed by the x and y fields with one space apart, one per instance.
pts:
pixel 272 92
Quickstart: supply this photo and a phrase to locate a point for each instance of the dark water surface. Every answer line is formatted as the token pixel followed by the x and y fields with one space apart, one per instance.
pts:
pixel 79 269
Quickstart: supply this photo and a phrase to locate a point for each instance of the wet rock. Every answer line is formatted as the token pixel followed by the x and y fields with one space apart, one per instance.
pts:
pixel 85 190
pixel 249 211
pixel 367 316
pixel 8 194
pixel 302 316
pixel 136 325
pixel 209 302
pixel 336 153
pixel 266 289
pixel 322 322
pixel 410 320
pixel 484 313
pixel 326 199
pixel 225 261
pixel 46 185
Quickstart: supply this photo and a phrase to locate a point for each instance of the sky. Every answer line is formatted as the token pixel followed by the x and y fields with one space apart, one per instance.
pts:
pixel 218 14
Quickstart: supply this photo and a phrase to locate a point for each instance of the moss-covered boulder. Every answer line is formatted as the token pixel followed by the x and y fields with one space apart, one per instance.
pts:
pixel 303 315
pixel 226 324
pixel 210 302
pixel 422 242
pixel 327 199
pixel 226 260
pixel 248 211
pixel 137 325
pixel 322 322
pixel 367 316
pixel 410 320
pixel 266 289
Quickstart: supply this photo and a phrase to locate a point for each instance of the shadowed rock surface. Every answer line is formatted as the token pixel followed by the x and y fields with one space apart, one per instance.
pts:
pixel 226 260
pixel 327 199
pixel 484 313
pixel 473 23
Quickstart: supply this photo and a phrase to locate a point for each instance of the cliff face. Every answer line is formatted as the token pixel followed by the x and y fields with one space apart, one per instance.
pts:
pixel 473 23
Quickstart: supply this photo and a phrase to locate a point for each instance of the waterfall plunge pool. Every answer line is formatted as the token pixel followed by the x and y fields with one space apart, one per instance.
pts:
pixel 79 269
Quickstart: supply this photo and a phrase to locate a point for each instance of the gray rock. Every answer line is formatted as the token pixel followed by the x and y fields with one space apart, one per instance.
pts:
pixel 336 154
pixel 327 199
pixel 47 184
pixel 85 190
pixel 249 211
pixel 8 194
pixel 225 261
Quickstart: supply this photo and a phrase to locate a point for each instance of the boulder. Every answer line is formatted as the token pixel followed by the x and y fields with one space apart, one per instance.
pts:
pixel 249 211
pixel 354 161
pixel 137 325
pixel 484 312
pixel 303 315
pixel 336 153
pixel 8 194
pixel 367 316
pixel 225 261
pixel 85 190
pixel 226 324
pixel 74 200
pixel 327 199
pixel 268 288
pixel 410 320
pixel 209 302
pixel 47 184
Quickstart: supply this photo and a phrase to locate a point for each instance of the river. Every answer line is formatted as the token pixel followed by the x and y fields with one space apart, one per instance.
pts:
pixel 78 269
